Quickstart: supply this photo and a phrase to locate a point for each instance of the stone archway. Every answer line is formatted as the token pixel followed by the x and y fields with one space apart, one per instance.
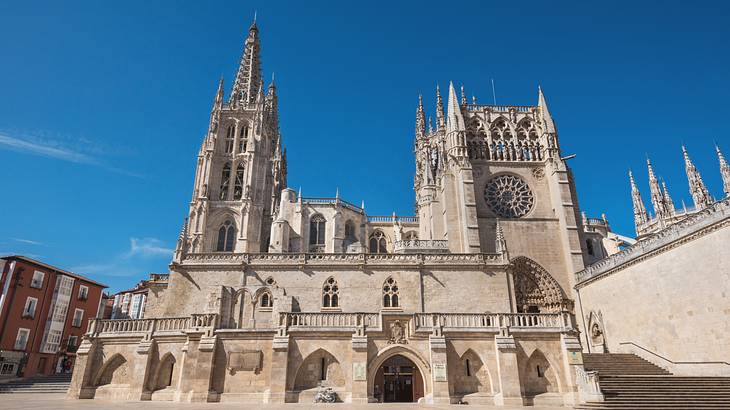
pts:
pixel 536 291
pixel 400 354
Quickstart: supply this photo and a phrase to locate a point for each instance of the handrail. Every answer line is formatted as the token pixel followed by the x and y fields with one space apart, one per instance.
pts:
pixel 669 360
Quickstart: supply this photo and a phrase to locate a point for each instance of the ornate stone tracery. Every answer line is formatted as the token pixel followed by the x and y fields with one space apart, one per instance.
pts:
pixel 536 289
pixel 509 196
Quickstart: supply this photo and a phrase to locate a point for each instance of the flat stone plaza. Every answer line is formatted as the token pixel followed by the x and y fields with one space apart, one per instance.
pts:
pixel 60 402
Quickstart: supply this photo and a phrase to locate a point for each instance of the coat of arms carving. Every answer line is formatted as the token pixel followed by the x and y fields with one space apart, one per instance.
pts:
pixel 397 332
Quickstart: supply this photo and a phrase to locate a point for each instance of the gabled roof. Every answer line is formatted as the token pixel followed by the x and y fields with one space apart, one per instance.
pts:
pixel 51 267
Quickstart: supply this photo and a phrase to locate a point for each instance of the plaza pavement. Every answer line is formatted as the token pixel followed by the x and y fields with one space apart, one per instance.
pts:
pixel 58 401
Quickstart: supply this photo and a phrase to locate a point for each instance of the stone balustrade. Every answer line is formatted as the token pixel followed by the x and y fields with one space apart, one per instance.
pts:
pixel 334 320
pixel 299 260
pixel 589 388
pixel 154 325
pixel 421 246
pixel 342 321
pixel 550 322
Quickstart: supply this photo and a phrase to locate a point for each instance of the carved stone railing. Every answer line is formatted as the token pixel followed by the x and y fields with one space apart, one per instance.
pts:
pixel 299 260
pixel 589 388
pixel 159 277
pixel 500 108
pixel 328 320
pixel 393 219
pixel 135 327
pixel 548 322
pixel 676 233
pixel 333 201
pixel 421 246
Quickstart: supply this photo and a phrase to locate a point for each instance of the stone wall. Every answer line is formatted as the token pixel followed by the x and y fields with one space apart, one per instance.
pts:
pixel 672 298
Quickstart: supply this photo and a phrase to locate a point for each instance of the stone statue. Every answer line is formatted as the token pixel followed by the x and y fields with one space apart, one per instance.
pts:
pixel 325 395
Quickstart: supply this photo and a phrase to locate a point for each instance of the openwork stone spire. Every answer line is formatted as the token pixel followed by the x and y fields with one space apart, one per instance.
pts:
pixel 440 123
pixel 420 119
pixel 640 216
pixel 700 194
pixel 724 171
pixel 667 198
pixel 657 197
pixel 272 107
pixel 248 79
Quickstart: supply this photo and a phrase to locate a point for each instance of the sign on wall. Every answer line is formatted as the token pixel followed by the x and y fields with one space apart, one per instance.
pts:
pixel 359 371
pixel 439 372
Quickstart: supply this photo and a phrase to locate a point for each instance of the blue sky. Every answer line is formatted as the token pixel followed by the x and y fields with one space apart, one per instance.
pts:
pixel 104 104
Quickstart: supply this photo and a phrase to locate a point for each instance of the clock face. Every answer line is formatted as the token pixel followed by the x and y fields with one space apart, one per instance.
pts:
pixel 509 196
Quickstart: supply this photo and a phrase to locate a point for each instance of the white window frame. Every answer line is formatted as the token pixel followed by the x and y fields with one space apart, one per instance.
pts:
pixel 38 278
pixel 26 313
pixel 83 292
pixel 81 319
pixel 75 343
pixel 25 331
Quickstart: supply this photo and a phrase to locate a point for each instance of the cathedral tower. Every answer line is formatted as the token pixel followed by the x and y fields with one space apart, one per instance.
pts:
pixel 241 166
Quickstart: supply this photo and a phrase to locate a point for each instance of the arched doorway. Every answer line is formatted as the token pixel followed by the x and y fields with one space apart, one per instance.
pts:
pixel 398 380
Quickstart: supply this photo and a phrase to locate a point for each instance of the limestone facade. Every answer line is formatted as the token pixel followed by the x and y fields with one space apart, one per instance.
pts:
pixel 665 298
pixel 272 295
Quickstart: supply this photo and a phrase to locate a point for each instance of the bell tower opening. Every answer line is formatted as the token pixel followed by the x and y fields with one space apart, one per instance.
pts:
pixel 398 380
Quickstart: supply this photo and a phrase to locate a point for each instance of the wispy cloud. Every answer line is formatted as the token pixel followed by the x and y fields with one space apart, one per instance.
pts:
pixel 27 241
pixel 131 262
pixel 78 151
pixel 46 148
pixel 148 247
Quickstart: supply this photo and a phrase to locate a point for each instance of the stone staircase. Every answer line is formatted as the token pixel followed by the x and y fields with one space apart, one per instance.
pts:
pixel 630 382
pixel 57 383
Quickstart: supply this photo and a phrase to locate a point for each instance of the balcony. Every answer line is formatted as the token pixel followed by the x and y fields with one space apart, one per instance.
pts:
pixel 421 246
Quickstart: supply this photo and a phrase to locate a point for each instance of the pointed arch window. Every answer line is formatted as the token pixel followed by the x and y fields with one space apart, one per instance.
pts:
pixel 243 139
pixel 226 237
pixel 266 300
pixel 330 294
pixel 225 181
pixel 378 242
pixel 238 186
pixel 317 226
pixel 390 293
pixel 230 134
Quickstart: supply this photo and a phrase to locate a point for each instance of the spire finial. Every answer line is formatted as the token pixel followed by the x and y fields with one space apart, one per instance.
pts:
pixel 455 119
pixel 248 77
pixel 463 95
pixel 420 119
pixel 440 123
pixel 700 195
pixel 640 215
pixel 724 171
pixel 500 242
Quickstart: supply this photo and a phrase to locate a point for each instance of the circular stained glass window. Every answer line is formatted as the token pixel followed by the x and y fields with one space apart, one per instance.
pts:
pixel 509 196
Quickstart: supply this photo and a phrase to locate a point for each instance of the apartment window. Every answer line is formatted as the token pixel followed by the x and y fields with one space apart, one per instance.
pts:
pixel 22 339
pixel 52 342
pixel 137 309
pixel 83 292
pixel 29 309
pixel 37 281
pixel 78 317
pixel 72 343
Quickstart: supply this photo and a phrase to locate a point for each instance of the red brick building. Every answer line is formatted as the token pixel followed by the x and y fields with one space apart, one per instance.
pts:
pixel 44 311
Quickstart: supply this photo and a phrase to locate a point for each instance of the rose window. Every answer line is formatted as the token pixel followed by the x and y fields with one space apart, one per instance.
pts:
pixel 509 196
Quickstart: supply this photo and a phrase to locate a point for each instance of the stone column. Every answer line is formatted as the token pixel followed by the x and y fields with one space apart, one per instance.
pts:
pixel 85 368
pixel 572 358
pixel 199 356
pixel 279 365
pixel 359 360
pixel 508 375
pixel 439 369
pixel 141 371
